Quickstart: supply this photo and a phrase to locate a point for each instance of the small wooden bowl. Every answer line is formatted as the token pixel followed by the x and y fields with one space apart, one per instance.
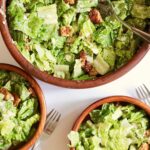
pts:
pixel 113 99
pixel 44 76
pixel 41 100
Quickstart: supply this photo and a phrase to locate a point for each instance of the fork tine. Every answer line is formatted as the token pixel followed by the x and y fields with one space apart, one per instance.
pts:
pixel 138 93
pixel 50 113
pixel 147 94
pixel 144 95
pixel 148 91
pixel 50 117
pixel 49 128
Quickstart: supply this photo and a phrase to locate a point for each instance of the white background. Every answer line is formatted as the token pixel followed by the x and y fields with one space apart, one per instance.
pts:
pixel 71 102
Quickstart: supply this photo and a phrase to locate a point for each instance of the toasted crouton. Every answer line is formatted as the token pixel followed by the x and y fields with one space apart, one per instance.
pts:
pixel 95 16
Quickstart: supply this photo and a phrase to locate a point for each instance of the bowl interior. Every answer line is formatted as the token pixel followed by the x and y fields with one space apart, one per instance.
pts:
pixel 42 107
pixel 63 82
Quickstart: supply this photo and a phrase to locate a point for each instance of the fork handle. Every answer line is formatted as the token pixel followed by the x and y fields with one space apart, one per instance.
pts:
pixel 142 34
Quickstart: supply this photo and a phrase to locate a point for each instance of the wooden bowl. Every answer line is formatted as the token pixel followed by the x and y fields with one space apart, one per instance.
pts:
pixel 113 99
pixel 57 81
pixel 42 105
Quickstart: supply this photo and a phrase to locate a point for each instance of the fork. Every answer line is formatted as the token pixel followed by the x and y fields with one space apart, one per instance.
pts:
pixel 143 93
pixel 145 36
pixel 52 119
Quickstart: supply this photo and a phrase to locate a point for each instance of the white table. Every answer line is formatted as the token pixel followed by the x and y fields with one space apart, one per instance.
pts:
pixel 71 102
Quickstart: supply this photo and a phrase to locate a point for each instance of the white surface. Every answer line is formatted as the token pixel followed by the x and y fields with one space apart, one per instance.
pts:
pixel 71 102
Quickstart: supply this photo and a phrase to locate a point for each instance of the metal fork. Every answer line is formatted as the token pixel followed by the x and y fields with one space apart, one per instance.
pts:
pixel 143 93
pixel 52 119
pixel 145 36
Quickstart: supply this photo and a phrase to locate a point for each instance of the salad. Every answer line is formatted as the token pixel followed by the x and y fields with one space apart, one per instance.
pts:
pixel 113 127
pixel 19 110
pixel 76 39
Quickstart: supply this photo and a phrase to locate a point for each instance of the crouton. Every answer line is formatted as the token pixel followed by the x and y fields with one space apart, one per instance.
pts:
pixel 144 146
pixel 17 100
pixel 95 16
pixel 7 94
pixel 65 31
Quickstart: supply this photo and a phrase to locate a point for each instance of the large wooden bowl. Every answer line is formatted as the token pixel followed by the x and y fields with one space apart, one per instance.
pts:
pixel 63 82
pixel 113 99
pixel 42 106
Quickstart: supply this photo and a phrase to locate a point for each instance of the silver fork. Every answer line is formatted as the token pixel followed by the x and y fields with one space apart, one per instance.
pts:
pixel 52 119
pixel 143 93
pixel 144 35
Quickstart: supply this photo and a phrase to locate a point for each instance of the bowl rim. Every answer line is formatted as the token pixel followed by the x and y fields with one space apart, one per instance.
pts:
pixel 63 82
pixel 41 101
pixel 110 99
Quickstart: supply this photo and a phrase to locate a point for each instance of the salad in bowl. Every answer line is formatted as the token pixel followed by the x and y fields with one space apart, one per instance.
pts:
pixel 76 39
pixel 113 123
pixel 22 109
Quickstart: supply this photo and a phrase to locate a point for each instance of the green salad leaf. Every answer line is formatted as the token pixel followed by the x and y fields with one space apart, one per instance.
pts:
pixel 51 34
pixel 119 127
pixel 19 110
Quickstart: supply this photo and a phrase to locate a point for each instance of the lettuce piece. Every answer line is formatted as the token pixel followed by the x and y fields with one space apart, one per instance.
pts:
pixel 101 65
pixel 75 46
pixel 86 5
pixel 103 36
pixel 58 41
pixel 22 91
pixel 44 53
pixel 82 18
pixel 68 16
pixel 109 56
pixel 91 46
pixel 61 71
pixel 27 108
pixel 140 11
pixel 74 138
pixel 83 77
pixel 62 7
pixel 48 14
pixel 123 56
pixel 99 115
pixel 87 29
pixel 47 32
pixel 77 68
pixel 8 85
pixel 6 127
pixel 113 22
pixel 137 22
pixel 15 7
pixel 121 8
pixel 34 25
pixel 123 40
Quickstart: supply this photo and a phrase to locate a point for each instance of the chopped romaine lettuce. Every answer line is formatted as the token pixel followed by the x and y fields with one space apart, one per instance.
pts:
pixel 101 65
pixel 45 31
pixel 48 14
pixel 140 11
pixel 86 5
pixel 18 110
pixel 112 127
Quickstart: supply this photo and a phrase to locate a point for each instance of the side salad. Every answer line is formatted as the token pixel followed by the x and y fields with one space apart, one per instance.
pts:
pixel 76 39
pixel 113 127
pixel 19 110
